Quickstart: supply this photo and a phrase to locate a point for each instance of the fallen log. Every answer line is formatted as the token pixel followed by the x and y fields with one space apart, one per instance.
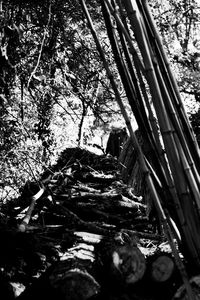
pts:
pixel 122 263
pixel 73 280
pixel 161 267
pixel 118 213
pixel 130 262
pixel 110 198
pixel 63 216
pixel 95 177
pixel 66 280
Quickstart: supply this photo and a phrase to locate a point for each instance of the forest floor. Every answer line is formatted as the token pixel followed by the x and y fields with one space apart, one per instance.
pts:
pixel 81 233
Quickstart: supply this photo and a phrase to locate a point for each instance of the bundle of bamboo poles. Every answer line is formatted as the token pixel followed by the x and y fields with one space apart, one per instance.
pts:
pixel 155 101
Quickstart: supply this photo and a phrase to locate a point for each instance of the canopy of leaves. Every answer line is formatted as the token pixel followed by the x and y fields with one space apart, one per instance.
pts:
pixel 53 87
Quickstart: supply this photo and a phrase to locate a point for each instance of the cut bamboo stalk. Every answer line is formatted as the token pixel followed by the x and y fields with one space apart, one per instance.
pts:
pixel 178 100
pixel 175 118
pixel 132 91
pixel 123 71
pixel 149 68
pixel 153 128
pixel 166 129
pixel 126 33
pixel 156 134
pixel 135 142
pixel 177 126
pixel 191 178
pixel 117 19
pixel 167 132
pixel 183 149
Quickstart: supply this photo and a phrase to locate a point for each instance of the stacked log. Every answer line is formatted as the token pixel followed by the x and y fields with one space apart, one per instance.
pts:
pixel 121 255
pixel 87 235
pixel 66 280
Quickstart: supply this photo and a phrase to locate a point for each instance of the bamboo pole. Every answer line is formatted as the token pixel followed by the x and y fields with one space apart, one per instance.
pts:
pixel 120 103
pixel 169 94
pixel 170 188
pixel 132 90
pixel 193 179
pixel 192 173
pixel 136 145
pixel 139 152
pixel 153 129
pixel 154 126
pixel 178 101
pixel 139 66
pixel 124 73
pixel 167 130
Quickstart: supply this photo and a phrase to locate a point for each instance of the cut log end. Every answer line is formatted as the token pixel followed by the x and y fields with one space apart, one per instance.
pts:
pixel 130 262
pixel 162 268
pixel 76 284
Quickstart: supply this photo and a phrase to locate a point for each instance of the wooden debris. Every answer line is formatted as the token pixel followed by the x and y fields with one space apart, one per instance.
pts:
pixel 74 282
pixel 181 293
pixel 84 213
pixel 162 268
pixel 66 280
pixel 120 260
pixel 130 262
pixel 22 227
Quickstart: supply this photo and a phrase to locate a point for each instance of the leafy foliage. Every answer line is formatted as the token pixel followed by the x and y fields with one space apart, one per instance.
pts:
pixel 53 87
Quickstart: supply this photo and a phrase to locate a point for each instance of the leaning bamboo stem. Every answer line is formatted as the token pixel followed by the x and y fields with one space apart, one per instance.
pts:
pixel 194 226
pixel 160 109
pixel 178 171
pixel 169 94
pixel 189 166
pixel 149 69
pixel 133 137
pixel 190 177
pixel 166 129
pixel 152 119
pixel 174 117
pixel 120 103
pixel 164 122
pixel 126 34
pixel 132 91
pixel 178 102
pixel 180 266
